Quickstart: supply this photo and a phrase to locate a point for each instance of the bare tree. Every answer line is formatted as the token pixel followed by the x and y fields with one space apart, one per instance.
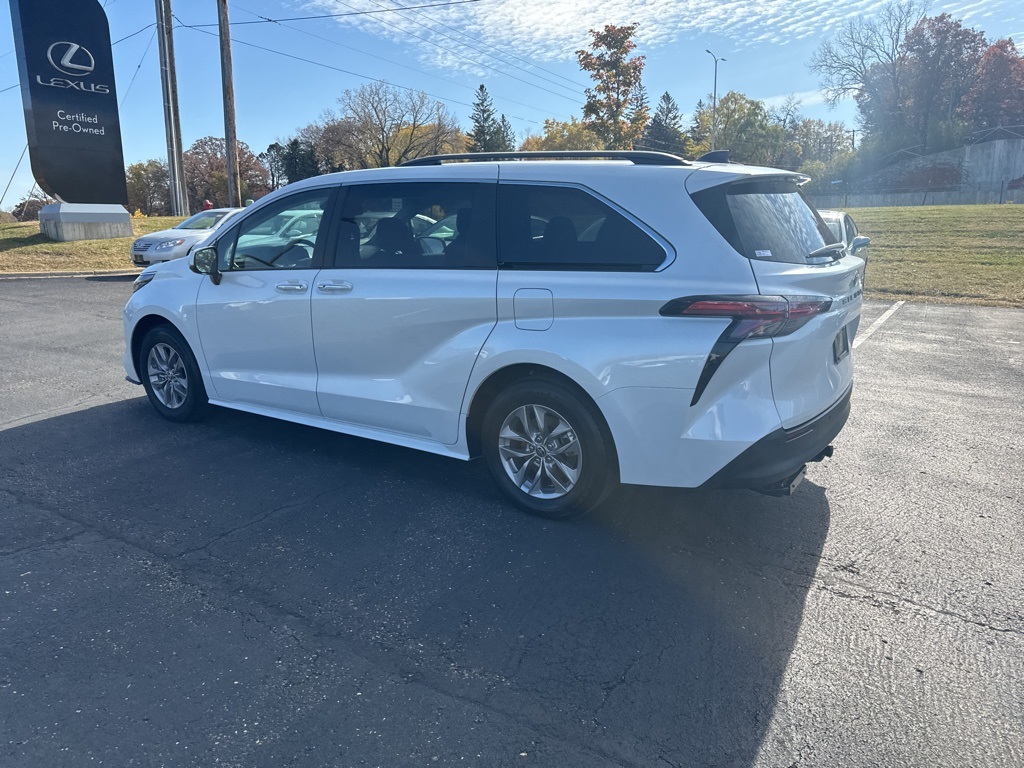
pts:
pixel 387 126
pixel 850 59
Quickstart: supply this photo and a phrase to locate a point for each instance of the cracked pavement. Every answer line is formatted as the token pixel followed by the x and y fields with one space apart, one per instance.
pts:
pixel 245 592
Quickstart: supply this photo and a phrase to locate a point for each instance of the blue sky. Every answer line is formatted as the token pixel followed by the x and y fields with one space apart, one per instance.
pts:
pixel 522 51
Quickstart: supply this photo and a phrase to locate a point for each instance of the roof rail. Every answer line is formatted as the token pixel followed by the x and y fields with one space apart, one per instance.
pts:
pixel 637 157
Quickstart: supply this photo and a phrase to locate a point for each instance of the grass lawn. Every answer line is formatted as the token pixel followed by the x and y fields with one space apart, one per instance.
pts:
pixel 962 254
pixel 965 254
pixel 24 249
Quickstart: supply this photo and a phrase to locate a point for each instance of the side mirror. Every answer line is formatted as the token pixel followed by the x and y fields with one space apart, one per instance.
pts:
pixel 204 262
pixel 859 244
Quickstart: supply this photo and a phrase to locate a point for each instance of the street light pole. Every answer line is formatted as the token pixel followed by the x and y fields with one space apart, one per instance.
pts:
pixel 714 100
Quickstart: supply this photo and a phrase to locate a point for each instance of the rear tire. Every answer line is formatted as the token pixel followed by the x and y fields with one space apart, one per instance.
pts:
pixel 548 451
pixel 171 376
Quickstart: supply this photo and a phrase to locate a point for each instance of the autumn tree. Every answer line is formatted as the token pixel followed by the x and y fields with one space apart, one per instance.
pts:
pixel 148 188
pixel 562 136
pixel 996 96
pixel 915 78
pixel 612 111
pixel 330 138
pixel 943 57
pixel 744 126
pixel 664 133
pixel 205 166
pixel 866 59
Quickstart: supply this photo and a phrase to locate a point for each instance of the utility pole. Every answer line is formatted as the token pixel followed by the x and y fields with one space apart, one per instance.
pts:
pixel 714 100
pixel 227 81
pixel 172 120
pixel 853 139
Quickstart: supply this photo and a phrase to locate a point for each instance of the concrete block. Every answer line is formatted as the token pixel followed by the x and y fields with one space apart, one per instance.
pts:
pixel 80 221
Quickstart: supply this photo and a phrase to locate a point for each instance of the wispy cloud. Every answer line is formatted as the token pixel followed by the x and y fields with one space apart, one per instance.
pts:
pixel 806 98
pixel 469 36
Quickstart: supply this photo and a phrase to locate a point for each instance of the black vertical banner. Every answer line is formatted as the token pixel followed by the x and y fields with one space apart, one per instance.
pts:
pixel 67 85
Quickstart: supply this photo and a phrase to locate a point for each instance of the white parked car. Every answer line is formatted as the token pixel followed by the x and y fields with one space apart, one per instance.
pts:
pixel 845 231
pixel 176 242
pixel 586 322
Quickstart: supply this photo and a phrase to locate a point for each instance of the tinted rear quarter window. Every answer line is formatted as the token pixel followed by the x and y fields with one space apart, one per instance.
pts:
pixel 553 227
pixel 766 220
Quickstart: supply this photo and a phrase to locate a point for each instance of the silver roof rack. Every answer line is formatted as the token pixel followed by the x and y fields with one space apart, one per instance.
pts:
pixel 636 157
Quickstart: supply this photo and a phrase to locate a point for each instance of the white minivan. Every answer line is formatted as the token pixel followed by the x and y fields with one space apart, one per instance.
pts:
pixel 584 319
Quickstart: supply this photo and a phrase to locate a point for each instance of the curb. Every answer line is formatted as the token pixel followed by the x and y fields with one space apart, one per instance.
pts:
pixel 93 273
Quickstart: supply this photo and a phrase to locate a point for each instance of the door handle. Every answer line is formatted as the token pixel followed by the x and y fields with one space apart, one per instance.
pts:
pixel 294 287
pixel 341 286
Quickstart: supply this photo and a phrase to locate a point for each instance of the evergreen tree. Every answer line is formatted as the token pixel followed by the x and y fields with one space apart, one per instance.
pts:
pixel 298 161
pixel 665 131
pixel 639 112
pixel 506 136
pixel 486 132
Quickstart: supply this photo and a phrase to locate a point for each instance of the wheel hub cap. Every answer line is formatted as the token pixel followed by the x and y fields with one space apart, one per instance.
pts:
pixel 540 452
pixel 167 375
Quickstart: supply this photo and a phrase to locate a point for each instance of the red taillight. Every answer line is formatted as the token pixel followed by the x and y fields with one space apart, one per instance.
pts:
pixel 752 316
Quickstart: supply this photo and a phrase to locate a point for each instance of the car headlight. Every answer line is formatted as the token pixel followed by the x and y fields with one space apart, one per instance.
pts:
pixel 169 244
pixel 143 280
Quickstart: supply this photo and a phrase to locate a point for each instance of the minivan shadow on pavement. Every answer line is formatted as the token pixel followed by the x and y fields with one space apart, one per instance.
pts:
pixel 254 592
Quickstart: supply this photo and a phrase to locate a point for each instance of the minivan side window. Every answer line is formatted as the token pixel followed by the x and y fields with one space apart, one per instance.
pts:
pixel 543 226
pixel 283 235
pixel 417 225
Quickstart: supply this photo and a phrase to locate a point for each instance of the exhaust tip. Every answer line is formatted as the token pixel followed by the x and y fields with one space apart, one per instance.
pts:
pixel 826 453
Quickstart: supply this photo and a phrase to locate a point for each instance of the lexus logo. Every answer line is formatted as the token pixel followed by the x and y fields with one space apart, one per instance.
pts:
pixel 74 59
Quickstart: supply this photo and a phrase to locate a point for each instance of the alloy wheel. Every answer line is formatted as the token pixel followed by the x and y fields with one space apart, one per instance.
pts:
pixel 167 375
pixel 540 452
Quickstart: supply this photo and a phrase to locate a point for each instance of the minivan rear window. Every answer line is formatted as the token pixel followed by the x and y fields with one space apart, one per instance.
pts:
pixel 767 220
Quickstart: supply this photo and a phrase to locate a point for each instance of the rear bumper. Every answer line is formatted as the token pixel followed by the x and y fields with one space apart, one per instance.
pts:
pixel 781 454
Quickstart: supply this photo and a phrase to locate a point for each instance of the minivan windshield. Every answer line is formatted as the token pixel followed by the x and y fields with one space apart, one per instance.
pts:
pixel 768 221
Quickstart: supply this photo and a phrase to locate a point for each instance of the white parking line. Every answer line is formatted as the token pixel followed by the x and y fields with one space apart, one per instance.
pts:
pixel 862 337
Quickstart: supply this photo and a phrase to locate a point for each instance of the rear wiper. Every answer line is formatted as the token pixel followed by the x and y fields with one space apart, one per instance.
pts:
pixel 833 250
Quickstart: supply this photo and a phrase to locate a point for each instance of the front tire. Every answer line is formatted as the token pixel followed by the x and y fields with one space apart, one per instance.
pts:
pixel 171 376
pixel 548 451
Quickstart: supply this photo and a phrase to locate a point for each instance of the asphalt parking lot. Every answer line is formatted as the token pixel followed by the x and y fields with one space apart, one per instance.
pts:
pixel 244 592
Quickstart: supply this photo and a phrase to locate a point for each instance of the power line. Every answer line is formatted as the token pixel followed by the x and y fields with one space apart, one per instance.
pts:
pixel 507 54
pixel 121 40
pixel 133 34
pixel 331 67
pixel 318 63
pixel 405 66
pixel 456 53
pixel 136 73
pixel 22 157
pixel 267 20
